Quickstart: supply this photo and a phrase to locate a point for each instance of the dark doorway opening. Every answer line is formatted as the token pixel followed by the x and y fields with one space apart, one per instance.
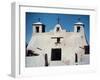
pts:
pixel 56 54
pixel 37 29
pixel 43 28
pixel 78 29
pixel 87 49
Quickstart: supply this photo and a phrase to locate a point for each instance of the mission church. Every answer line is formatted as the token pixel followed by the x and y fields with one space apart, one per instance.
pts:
pixel 58 46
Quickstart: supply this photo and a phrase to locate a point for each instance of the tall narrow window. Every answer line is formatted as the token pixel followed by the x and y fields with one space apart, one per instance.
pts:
pixel 76 58
pixel 46 60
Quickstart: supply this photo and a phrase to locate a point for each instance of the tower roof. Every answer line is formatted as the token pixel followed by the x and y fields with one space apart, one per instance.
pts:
pixel 79 23
pixel 38 23
pixel 57 25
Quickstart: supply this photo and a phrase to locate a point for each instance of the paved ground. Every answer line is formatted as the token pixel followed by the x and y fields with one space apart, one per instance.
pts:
pixel 35 61
pixel 85 59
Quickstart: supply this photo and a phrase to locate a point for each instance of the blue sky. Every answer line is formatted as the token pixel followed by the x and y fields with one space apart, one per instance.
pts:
pixel 50 20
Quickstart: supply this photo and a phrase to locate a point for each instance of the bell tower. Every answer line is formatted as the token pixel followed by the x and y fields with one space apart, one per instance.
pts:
pixel 58 27
pixel 38 27
pixel 79 26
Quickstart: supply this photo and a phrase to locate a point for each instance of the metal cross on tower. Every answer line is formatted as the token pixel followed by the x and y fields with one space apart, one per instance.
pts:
pixel 39 19
pixel 79 18
pixel 58 20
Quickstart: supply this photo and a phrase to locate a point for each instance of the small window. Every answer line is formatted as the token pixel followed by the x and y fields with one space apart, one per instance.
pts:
pixel 57 29
pixel 78 29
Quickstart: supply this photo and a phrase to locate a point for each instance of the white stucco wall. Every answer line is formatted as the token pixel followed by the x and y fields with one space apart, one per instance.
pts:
pixel 70 45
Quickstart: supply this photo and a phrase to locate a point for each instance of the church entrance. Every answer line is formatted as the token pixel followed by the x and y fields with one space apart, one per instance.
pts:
pixel 56 54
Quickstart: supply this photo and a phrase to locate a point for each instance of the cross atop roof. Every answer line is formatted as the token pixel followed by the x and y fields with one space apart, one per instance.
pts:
pixel 58 20
pixel 38 19
pixel 79 18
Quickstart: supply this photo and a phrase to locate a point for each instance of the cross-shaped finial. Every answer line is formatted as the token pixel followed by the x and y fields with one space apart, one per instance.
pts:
pixel 39 19
pixel 58 19
pixel 79 18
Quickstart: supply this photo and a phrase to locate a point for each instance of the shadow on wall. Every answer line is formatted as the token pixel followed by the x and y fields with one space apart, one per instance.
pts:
pixel 30 52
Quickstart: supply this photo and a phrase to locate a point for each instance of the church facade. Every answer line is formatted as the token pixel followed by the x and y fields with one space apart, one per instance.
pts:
pixel 56 47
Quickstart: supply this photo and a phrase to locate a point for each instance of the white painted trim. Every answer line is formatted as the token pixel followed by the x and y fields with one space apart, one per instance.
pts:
pixel 15 40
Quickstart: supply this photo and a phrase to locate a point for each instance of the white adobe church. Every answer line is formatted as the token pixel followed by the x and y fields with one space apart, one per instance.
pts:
pixel 57 47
